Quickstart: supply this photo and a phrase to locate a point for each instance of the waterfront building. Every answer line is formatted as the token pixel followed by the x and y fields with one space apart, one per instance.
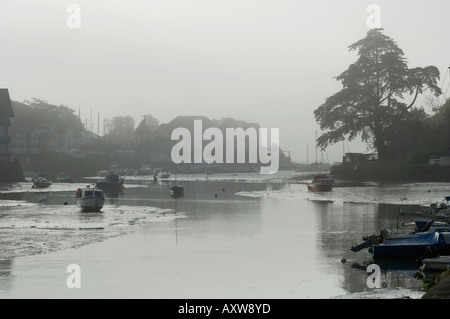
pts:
pixel 10 169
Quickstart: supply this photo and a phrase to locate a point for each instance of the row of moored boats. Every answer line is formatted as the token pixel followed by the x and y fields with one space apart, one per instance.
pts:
pixel 92 198
pixel 428 245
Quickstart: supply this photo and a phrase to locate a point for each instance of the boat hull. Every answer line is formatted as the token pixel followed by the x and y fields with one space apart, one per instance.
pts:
pixel 321 183
pixel 91 204
pixel 176 191
pixel 414 247
pixel 320 188
pixel 111 182
pixel 438 263
pixel 41 184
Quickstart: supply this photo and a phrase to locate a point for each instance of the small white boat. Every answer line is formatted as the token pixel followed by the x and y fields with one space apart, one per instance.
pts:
pixel 90 199
pixel 164 175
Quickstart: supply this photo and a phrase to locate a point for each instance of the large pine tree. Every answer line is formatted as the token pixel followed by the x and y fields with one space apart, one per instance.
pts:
pixel 374 93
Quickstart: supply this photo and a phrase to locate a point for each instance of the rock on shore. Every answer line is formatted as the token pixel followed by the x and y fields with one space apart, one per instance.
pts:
pixel 441 290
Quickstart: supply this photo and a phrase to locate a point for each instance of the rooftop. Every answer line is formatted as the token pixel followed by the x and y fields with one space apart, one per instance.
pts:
pixel 5 104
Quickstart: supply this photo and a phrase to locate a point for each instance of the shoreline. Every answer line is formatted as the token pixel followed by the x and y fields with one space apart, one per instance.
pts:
pixel 440 290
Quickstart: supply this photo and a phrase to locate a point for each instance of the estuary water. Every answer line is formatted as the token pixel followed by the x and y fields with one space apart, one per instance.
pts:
pixel 229 236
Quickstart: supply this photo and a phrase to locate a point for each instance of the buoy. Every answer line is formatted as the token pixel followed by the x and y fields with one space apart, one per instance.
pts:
pixel 215 195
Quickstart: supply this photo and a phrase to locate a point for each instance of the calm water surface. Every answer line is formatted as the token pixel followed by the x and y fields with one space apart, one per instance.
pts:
pixel 229 237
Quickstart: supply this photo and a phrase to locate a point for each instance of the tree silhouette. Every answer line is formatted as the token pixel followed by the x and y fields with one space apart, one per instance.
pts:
pixel 373 97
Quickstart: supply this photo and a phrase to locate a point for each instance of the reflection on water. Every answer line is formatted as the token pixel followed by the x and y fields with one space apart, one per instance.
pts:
pixel 113 197
pixel 91 218
pixel 6 278
pixel 277 238
pixel 342 225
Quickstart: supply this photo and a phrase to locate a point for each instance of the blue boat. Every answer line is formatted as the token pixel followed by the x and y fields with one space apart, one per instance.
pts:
pixel 415 247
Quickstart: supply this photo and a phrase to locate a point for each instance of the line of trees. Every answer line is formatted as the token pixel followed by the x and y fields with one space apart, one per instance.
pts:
pixel 34 114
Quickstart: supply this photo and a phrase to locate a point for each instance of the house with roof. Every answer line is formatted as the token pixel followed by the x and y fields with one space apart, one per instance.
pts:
pixel 142 134
pixel 6 113
pixel 162 143
pixel 10 169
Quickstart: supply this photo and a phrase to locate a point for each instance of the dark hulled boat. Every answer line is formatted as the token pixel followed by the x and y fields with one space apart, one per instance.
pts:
pixel 321 183
pixel 111 182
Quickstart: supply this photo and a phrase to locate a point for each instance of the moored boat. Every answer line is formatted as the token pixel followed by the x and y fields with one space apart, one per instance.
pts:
pixel 161 174
pixel 431 226
pixel 90 199
pixel 164 174
pixel 440 263
pixel 176 191
pixel 111 182
pixel 321 183
pixel 41 182
pixel 442 208
pixel 415 247
pixel 423 227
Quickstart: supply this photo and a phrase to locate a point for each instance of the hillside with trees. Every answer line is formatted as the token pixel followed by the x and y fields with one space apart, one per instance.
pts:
pixel 39 114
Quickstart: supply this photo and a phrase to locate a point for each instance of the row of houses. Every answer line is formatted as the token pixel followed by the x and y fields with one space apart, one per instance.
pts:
pixel 156 145
pixel 44 141
pixel 146 145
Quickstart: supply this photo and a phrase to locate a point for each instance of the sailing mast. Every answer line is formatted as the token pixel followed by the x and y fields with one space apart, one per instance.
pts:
pixel 38 151
pixel 316 147
pixel 307 155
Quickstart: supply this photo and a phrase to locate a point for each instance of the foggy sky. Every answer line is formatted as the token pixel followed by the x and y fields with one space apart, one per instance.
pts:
pixel 270 62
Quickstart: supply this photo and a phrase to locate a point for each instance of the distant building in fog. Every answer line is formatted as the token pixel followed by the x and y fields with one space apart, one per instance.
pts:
pixel 10 170
pixel 6 113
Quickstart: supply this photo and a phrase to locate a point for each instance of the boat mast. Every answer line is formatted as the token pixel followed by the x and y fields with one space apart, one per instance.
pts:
pixel 316 146
pixel 38 151
pixel 307 156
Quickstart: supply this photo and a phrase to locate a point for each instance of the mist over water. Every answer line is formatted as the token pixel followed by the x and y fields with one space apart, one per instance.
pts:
pixel 253 236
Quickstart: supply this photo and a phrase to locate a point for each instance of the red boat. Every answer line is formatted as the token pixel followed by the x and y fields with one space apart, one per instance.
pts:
pixel 321 183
